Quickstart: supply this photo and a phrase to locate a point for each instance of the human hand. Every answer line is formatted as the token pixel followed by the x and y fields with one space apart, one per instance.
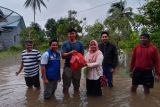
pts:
pixel 112 70
pixel 17 73
pixel 157 77
pixel 45 81
pixel 59 79
pixel 73 51
pixel 85 65
pixel 131 74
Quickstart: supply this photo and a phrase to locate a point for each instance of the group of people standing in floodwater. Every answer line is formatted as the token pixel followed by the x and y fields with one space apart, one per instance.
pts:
pixel 101 60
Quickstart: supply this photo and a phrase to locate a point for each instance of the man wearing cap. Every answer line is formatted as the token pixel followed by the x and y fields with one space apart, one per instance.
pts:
pixel 145 59
pixel 68 48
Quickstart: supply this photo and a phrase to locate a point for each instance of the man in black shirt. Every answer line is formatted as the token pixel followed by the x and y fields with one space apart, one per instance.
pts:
pixel 110 54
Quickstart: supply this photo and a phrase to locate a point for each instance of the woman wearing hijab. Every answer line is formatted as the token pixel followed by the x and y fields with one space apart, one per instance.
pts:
pixel 94 58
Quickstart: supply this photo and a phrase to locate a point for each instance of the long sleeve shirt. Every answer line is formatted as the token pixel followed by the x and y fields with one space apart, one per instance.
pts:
pixel 94 69
pixel 145 58
pixel 110 54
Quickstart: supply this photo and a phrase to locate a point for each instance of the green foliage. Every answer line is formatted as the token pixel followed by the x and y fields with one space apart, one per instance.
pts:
pixel 129 44
pixel 155 38
pixel 64 24
pixel 58 29
pixel 9 53
pixel 15 48
pixel 45 46
pixel 33 33
pixel 94 31
pixel 85 40
pixel 150 15
pixel 119 20
pixel 51 27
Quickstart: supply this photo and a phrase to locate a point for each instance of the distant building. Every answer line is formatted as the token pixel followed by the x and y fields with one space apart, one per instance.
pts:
pixel 11 24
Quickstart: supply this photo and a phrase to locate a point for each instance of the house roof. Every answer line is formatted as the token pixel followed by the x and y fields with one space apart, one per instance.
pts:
pixel 10 19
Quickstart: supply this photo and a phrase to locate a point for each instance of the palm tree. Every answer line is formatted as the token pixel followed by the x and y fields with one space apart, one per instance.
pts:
pixel 120 19
pixel 34 4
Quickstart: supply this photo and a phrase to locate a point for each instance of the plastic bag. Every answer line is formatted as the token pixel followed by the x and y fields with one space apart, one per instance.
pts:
pixel 77 61
pixel 103 81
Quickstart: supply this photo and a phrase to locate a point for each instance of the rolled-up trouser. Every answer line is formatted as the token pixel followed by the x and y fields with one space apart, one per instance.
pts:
pixel 50 88
pixel 71 76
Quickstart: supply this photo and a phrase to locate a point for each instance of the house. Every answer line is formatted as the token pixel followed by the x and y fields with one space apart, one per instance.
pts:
pixel 11 24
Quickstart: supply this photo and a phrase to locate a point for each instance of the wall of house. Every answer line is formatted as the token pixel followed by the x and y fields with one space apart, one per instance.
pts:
pixel 8 39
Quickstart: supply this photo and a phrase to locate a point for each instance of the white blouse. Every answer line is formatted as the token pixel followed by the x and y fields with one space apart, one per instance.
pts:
pixel 94 69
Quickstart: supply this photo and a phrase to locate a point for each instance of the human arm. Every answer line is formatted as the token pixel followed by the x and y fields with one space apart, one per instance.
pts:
pixel 98 61
pixel 59 68
pixel 156 60
pixel 132 64
pixel 20 69
pixel 59 80
pixel 66 51
pixel 81 48
pixel 66 54
pixel 44 61
pixel 115 58
pixel 43 71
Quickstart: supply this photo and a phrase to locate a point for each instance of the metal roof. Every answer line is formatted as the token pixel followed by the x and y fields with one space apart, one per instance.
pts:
pixel 9 18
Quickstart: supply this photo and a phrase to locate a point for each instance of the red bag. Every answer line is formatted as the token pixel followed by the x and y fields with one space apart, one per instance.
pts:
pixel 103 81
pixel 77 61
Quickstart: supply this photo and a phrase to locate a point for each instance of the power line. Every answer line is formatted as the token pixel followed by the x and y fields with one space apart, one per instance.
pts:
pixel 97 6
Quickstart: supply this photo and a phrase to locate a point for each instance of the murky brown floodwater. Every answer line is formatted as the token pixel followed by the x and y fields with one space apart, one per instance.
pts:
pixel 14 93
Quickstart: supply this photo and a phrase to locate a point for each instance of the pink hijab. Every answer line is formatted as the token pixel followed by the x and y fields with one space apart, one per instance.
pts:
pixel 93 55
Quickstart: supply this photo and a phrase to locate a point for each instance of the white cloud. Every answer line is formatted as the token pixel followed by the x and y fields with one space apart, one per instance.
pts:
pixel 59 8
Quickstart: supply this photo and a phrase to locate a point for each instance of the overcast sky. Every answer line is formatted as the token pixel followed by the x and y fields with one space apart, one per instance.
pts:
pixel 59 8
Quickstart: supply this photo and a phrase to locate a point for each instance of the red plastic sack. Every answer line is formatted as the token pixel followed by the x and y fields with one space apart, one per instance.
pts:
pixel 77 61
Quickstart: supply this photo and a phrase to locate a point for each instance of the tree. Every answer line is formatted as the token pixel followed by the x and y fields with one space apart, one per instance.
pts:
pixel 148 20
pixel 149 16
pixel 155 37
pixel 51 27
pixel 120 19
pixel 93 32
pixel 63 24
pixel 73 22
pixel 34 4
pixel 37 34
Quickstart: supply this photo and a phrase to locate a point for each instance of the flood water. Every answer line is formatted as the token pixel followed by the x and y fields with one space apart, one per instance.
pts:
pixel 14 93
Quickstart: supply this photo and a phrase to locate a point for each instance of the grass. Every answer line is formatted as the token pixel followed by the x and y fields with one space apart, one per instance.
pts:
pixel 9 53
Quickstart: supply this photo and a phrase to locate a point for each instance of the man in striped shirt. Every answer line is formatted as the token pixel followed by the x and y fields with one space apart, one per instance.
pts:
pixel 30 60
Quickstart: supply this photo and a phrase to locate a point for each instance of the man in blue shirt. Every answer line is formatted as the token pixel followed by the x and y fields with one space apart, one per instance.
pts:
pixel 68 48
pixel 50 68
